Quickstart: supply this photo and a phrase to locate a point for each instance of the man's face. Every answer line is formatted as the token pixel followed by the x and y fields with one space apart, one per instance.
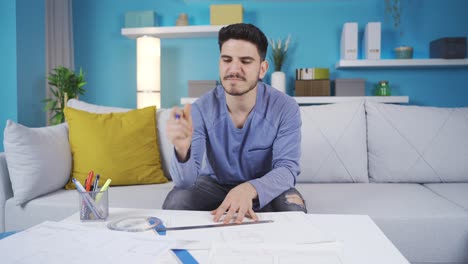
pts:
pixel 240 67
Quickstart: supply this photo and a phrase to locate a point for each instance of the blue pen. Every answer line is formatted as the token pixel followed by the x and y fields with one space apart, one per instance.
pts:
pixel 88 200
pixel 177 116
pixel 96 183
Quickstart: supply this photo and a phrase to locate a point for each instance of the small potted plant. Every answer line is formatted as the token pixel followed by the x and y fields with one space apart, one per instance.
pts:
pixel 64 83
pixel 279 51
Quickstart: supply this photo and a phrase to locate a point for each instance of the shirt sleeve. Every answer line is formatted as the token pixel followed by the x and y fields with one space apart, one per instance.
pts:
pixel 285 163
pixel 185 174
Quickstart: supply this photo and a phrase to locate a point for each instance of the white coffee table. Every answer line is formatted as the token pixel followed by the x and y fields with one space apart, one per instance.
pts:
pixel 362 241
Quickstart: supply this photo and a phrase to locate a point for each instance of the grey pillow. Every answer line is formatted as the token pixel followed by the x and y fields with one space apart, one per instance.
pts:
pixel 334 143
pixel 39 159
pixel 417 143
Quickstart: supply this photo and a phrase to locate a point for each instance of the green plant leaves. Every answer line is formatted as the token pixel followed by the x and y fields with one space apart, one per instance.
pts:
pixel 63 81
pixel 279 50
pixel 58 118
pixel 50 105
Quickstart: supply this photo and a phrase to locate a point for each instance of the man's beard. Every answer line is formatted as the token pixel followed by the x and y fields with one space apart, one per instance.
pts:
pixel 251 87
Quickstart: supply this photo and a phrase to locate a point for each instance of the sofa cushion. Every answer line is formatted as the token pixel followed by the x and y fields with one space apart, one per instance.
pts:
pixel 58 205
pixel 162 115
pixel 425 227
pixel 39 159
pixel 454 192
pixel 166 148
pixel 417 144
pixel 6 192
pixel 98 109
pixel 121 146
pixel 334 143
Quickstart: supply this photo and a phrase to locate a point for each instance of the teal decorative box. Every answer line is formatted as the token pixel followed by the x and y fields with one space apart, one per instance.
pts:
pixel 141 19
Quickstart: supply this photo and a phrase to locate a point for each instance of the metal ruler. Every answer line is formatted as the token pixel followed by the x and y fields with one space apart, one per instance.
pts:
pixel 160 229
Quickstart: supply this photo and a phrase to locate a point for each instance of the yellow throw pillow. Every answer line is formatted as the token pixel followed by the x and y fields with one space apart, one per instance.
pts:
pixel 119 146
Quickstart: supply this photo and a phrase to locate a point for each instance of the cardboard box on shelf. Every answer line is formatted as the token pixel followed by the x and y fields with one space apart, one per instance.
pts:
pixel 312 88
pixel 226 14
pixel 350 87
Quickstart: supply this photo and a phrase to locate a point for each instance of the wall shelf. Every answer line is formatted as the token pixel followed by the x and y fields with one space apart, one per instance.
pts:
pixel 401 63
pixel 212 31
pixel 331 99
pixel 173 32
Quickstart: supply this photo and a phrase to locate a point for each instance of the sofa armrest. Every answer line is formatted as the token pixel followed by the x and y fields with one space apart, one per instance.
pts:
pixel 6 192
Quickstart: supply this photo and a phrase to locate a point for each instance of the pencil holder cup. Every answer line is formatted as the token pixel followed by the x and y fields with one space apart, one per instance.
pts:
pixel 94 206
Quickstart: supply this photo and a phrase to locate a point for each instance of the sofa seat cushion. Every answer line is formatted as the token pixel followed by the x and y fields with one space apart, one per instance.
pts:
pixel 334 143
pixel 454 192
pixel 417 144
pixel 58 205
pixel 422 225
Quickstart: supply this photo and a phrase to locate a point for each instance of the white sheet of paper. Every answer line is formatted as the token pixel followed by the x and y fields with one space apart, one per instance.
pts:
pixel 56 242
pixel 288 227
pixel 227 253
pixel 292 228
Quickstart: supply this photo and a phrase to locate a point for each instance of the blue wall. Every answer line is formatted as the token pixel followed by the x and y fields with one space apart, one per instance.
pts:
pixel 31 77
pixel 8 94
pixel 108 58
pixel 315 26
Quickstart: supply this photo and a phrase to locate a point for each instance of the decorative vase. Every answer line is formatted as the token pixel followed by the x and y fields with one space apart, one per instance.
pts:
pixel 182 20
pixel 404 52
pixel 278 80
pixel 383 89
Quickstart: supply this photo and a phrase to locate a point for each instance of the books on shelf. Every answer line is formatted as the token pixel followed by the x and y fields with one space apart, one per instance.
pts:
pixel 372 41
pixel 349 41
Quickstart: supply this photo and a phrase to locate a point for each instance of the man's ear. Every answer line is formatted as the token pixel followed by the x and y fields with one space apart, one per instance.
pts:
pixel 263 69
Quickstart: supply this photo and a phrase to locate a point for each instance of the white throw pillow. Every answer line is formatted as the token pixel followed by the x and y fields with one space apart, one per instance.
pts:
pixel 166 148
pixel 39 159
pixel 417 143
pixel 92 108
pixel 334 143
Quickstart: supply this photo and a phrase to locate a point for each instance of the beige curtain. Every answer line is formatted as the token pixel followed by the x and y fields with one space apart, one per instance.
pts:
pixel 59 37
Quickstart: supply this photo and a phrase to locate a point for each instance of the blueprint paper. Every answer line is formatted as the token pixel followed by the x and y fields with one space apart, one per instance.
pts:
pixel 227 253
pixel 54 242
pixel 288 227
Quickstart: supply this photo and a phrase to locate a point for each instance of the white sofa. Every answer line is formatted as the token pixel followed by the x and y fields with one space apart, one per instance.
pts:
pixel 404 166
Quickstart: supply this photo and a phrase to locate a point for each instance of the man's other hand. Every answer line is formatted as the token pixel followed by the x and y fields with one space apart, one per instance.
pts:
pixel 179 131
pixel 238 200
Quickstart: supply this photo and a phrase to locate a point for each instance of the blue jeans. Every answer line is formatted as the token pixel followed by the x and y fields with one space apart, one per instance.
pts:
pixel 207 194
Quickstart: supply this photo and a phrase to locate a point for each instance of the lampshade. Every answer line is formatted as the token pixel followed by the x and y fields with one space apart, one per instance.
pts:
pixel 148 72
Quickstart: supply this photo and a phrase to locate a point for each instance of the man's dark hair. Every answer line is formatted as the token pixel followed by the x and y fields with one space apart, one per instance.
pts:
pixel 247 32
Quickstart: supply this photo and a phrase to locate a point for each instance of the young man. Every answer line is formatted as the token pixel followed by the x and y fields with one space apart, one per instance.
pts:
pixel 237 148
